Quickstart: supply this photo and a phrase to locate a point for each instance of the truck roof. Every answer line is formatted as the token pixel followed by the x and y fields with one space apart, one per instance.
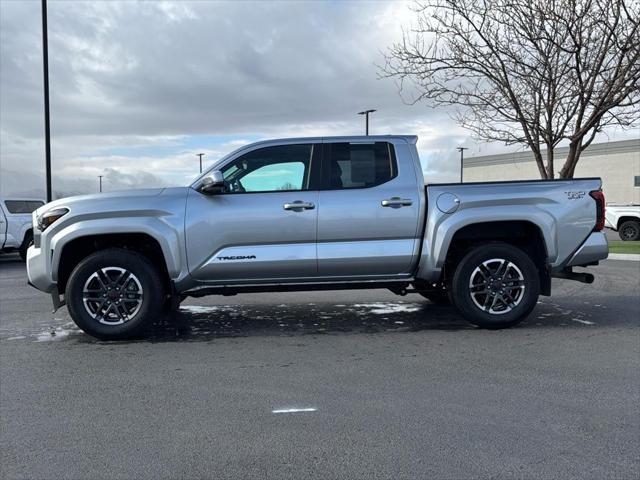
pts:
pixel 345 138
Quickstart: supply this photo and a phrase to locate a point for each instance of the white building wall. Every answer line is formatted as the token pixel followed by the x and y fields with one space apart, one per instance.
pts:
pixel 617 163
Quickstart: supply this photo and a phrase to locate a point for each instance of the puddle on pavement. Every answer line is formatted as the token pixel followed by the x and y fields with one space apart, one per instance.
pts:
pixel 202 323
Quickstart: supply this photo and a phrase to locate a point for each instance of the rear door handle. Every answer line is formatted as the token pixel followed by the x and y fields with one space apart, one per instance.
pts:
pixel 397 202
pixel 298 206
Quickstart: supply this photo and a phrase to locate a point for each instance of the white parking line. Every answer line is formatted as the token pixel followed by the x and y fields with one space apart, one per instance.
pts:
pixel 294 410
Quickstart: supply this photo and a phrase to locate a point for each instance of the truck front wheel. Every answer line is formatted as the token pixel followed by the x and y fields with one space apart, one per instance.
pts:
pixel 113 294
pixel 495 286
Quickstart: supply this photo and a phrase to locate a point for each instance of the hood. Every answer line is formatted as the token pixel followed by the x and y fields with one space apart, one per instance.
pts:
pixel 160 199
pixel 100 197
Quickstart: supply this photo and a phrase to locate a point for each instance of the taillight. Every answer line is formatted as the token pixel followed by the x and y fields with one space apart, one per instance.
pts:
pixel 598 196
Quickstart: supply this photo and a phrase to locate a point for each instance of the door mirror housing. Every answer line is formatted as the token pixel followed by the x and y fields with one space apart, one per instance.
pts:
pixel 212 184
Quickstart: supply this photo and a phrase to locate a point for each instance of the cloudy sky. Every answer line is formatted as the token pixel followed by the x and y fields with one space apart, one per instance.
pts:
pixel 137 88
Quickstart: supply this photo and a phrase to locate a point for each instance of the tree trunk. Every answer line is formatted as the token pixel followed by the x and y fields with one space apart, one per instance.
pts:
pixel 550 168
pixel 573 156
pixel 539 161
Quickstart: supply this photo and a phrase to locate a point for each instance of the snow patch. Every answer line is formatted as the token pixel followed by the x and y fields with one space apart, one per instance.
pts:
pixel 387 307
pixel 53 335
pixel 586 322
pixel 199 308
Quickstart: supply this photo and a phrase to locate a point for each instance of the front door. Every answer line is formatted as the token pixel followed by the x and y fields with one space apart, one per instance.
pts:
pixel 263 226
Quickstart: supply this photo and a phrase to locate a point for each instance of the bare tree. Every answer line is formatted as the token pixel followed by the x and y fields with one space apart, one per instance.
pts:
pixel 533 72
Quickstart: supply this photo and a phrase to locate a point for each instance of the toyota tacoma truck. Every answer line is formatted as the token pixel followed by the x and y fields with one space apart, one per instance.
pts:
pixel 315 214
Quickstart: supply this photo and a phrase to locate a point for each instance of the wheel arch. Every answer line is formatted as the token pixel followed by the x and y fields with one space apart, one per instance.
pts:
pixel 26 233
pixel 76 249
pixel 523 234
pixel 448 245
pixel 626 218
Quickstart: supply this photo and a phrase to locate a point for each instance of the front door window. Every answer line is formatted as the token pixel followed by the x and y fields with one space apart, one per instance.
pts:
pixel 270 169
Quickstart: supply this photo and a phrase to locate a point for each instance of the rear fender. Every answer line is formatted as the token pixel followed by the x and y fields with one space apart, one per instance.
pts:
pixel 443 227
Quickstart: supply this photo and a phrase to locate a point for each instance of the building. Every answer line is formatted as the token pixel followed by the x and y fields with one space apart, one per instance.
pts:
pixel 617 163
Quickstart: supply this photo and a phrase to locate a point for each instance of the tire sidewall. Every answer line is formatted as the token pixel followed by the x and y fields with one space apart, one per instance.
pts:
pixel 630 224
pixel 462 296
pixel 137 264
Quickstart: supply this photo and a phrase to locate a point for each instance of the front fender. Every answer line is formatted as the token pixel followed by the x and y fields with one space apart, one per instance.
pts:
pixel 167 236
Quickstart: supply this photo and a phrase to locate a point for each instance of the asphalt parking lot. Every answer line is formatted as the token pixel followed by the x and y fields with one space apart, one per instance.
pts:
pixel 393 387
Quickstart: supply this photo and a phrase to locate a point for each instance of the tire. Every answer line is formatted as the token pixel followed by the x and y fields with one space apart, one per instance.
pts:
pixel 512 293
pixel 133 288
pixel 26 243
pixel 629 231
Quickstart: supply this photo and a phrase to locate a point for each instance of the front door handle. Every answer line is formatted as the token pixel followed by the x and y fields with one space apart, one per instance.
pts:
pixel 298 206
pixel 397 202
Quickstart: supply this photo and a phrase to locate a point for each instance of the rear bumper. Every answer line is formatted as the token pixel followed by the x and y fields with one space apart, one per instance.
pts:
pixel 594 249
pixel 38 271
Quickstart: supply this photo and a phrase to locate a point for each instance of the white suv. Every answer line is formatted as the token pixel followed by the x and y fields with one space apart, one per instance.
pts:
pixel 16 232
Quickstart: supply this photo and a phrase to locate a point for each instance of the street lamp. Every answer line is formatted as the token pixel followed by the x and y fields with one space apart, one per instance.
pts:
pixel 200 156
pixel 366 114
pixel 100 179
pixel 461 150
pixel 47 128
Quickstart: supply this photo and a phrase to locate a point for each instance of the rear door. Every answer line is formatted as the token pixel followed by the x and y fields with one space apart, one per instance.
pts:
pixel 263 226
pixel 369 208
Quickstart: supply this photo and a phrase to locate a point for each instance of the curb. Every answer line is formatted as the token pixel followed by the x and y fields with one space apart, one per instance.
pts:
pixel 634 257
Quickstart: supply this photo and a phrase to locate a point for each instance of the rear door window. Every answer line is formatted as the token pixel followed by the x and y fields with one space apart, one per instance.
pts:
pixel 358 165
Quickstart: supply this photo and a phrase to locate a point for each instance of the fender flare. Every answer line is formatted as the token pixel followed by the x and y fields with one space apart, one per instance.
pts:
pixel 157 228
pixel 443 229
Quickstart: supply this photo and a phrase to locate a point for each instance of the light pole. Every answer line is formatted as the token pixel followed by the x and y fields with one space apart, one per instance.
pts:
pixel 200 156
pixel 47 128
pixel 366 114
pixel 461 150
pixel 100 179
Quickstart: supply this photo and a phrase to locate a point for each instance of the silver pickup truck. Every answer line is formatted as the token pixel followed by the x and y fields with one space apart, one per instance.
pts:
pixel 315 213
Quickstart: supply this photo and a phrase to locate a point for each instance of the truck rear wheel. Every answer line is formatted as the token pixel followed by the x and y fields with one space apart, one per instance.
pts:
pixel 495 286
pixel 114 294
pixel 629 230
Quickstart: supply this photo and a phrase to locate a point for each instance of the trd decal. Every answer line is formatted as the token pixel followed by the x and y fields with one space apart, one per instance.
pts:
pixel 575 195
pixel 238 257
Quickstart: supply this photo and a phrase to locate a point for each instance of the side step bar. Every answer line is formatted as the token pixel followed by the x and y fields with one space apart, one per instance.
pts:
pixel 227 290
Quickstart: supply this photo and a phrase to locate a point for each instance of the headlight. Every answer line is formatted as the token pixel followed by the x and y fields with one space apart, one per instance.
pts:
pixel 50 216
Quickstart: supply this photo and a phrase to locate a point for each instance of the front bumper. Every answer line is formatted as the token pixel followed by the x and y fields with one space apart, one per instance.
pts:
pixel 594 249
pixel 38 270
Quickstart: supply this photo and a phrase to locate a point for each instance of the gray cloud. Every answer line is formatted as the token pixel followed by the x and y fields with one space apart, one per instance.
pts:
pixel 127 74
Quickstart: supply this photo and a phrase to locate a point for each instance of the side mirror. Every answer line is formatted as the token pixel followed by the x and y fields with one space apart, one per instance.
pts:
pixel 213 183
